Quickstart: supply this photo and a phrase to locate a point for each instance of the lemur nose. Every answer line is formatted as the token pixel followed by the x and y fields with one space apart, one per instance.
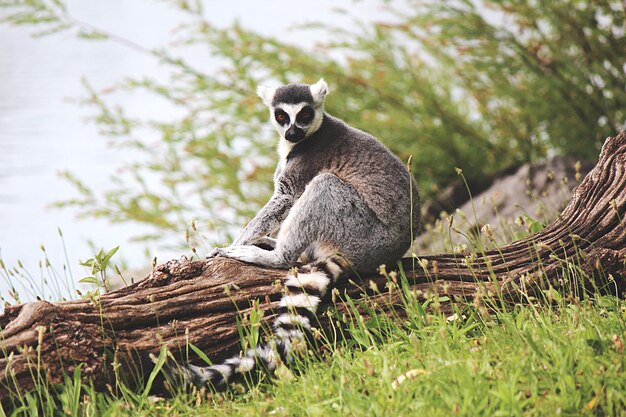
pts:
pixel 294 134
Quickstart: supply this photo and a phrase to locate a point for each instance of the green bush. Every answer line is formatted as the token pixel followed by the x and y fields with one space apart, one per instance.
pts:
pixel 449 82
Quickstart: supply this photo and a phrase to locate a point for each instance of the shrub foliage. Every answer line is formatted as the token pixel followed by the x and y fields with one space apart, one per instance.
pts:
pixel 479 85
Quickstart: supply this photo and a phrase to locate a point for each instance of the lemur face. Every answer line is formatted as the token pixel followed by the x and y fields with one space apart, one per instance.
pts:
pixel 294 121
pixel 296 110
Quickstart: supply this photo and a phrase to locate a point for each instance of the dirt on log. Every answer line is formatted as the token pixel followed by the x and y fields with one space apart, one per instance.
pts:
pixel 201 302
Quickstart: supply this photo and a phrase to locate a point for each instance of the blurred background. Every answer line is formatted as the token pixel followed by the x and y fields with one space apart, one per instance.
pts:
pixel 135 124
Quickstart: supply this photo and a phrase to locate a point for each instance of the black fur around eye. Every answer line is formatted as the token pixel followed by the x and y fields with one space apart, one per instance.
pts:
pixel 281 117
pixel 305 116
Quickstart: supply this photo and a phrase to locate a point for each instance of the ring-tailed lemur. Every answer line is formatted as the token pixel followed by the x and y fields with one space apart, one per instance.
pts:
pixel 341 200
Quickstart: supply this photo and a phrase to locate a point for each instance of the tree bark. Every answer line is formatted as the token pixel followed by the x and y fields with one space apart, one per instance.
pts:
pixel 200 302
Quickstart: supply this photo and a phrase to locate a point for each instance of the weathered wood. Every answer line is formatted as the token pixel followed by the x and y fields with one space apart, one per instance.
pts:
pixel 199 302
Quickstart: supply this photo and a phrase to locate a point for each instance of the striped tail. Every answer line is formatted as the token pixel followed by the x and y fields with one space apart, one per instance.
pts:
pixel 303 292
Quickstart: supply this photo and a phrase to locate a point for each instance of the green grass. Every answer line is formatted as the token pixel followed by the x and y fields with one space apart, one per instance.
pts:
pixel 526 362
pixel 533 361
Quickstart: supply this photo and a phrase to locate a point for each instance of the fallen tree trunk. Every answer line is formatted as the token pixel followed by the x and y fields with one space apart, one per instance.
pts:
pixel 200 302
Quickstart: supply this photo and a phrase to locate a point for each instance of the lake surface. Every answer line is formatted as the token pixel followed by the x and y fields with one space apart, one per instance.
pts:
pixel 43 131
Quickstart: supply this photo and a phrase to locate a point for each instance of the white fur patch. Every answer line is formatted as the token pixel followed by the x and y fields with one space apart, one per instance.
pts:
pixel 267 354
pixel 246 365
pixel 300 300
pixel 284 147
pixel 293 319
pixel 333 268
pixel 222 369
pixel 266 94
pixel 319 90
pixel 288 334
pixel 292 110
pixel 316 280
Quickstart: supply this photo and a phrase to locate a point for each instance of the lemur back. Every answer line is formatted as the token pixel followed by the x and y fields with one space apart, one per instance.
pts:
pixel 341 201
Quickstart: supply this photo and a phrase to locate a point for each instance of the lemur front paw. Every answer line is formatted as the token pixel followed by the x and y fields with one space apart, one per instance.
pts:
pixel 251 254
pixel 231 251
pixel 242 253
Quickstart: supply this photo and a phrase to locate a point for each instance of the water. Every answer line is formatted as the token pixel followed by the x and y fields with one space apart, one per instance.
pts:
pixel 43 132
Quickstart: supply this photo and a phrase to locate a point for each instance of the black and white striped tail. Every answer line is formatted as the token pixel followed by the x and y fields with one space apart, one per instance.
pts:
pixel 303 292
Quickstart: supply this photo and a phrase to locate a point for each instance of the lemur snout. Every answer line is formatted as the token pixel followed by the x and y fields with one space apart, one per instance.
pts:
pixel 294 134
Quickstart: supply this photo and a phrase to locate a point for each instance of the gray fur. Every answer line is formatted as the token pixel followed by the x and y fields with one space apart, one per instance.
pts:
pixel 292 94
pixel 341 199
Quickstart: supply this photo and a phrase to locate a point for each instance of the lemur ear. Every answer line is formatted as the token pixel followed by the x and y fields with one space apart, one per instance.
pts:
pixel 319 91
pixel 266 94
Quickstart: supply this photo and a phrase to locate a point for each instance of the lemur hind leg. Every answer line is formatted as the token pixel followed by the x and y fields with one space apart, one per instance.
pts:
pixel 329 216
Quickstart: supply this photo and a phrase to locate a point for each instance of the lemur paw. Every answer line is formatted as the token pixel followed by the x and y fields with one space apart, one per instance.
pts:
pixel 250 254
pixel 242 253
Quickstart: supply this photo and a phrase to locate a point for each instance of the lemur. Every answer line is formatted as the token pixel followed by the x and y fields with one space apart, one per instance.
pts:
pixel 341 201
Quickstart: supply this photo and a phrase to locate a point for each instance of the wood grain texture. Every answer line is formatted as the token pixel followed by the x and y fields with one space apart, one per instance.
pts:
pixel 199 302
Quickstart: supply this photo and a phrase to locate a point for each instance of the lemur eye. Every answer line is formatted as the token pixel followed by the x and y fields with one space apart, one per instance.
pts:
pixel 305 115
pixel 281 117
